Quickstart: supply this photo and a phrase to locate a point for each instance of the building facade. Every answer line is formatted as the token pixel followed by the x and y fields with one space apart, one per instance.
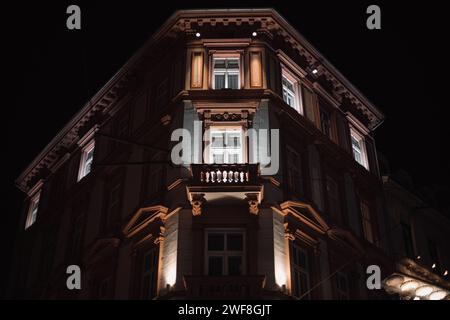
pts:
pixel 226 159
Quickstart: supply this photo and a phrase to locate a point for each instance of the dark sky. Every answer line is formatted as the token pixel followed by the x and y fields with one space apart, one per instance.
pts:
pixel 400 68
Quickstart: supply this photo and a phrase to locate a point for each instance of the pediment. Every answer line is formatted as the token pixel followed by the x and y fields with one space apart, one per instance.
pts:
pixel 305 213
pixel 142 218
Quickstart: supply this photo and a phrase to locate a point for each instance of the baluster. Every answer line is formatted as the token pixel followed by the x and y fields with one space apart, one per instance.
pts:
pixel 213 177
pixel 219 176
pixel 224 176
pixel 236 176
pixel 230 176
pixel 247 176
pixel 241 176
pixel 207 176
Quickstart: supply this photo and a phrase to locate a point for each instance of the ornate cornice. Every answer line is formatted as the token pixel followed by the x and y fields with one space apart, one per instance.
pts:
pixel 266 22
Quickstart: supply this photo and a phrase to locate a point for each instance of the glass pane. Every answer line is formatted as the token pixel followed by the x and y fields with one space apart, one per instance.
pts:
pixel 215 266
pixel 296 283
pixel 288 85
pixel 234 266
pixel 219 63
pixel 233 140
pixel 235 242
pixel 233 64
pixel 218 158
pixel 233 158
pixel 219 81
pixel 217 140
pixel 216 242
pixel 233 81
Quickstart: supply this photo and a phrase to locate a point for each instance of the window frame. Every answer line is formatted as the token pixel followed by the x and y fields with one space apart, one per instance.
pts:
pixel 297 94
pixel 225 71
pixel 301 270
pixel 224 254
pixel 210 150
pixel 354 134
pixel 88 148
pixel 293 168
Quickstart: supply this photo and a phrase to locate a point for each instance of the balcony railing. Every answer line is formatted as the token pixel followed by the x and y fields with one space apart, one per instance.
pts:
pixel 224 287
pixel 224 174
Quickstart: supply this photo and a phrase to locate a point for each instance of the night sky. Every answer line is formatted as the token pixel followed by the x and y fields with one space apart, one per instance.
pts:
pixel 400 68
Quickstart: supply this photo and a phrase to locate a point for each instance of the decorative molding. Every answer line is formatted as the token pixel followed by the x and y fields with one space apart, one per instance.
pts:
pixel 197 201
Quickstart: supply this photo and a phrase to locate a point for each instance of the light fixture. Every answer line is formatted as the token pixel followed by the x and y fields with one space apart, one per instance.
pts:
pixel 198 34
pixel 423 291
pixel 445 272
pixel 433 266
pixel 254 33
pixel 395 280
pixel 314 71
pixel 438 295
pixel 418 257
pixel 409 285
pixel 416 298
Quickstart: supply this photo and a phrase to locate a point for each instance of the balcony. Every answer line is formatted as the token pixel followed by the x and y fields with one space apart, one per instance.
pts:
pixel 224 287
pixel 224 184
pixel 224 174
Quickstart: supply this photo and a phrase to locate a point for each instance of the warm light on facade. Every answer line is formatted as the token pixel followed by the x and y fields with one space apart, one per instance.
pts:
pixel 414 289
pixel 170 274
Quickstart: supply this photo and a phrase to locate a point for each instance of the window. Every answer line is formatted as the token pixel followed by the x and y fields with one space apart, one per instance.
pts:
pixel 325 122
pixel 289 92
pixel 294 173
pixel 32 210
pixel 225 253
pixel 149 274
pixel 300 272
pixel 334 207
pixel 226 145
pixel 87 158
pixel 342 286
pixel 407 240
pixel 226 73
pixel 366 222
pixel 122 126
pixel 359 150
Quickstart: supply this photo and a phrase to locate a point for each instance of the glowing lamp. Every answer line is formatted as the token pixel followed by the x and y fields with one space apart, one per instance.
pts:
pixel 409 285
pixel 254 34
pixel 438 295
pixel 433 266
pixel 423 291
pixel 315 71
pixel 198 34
